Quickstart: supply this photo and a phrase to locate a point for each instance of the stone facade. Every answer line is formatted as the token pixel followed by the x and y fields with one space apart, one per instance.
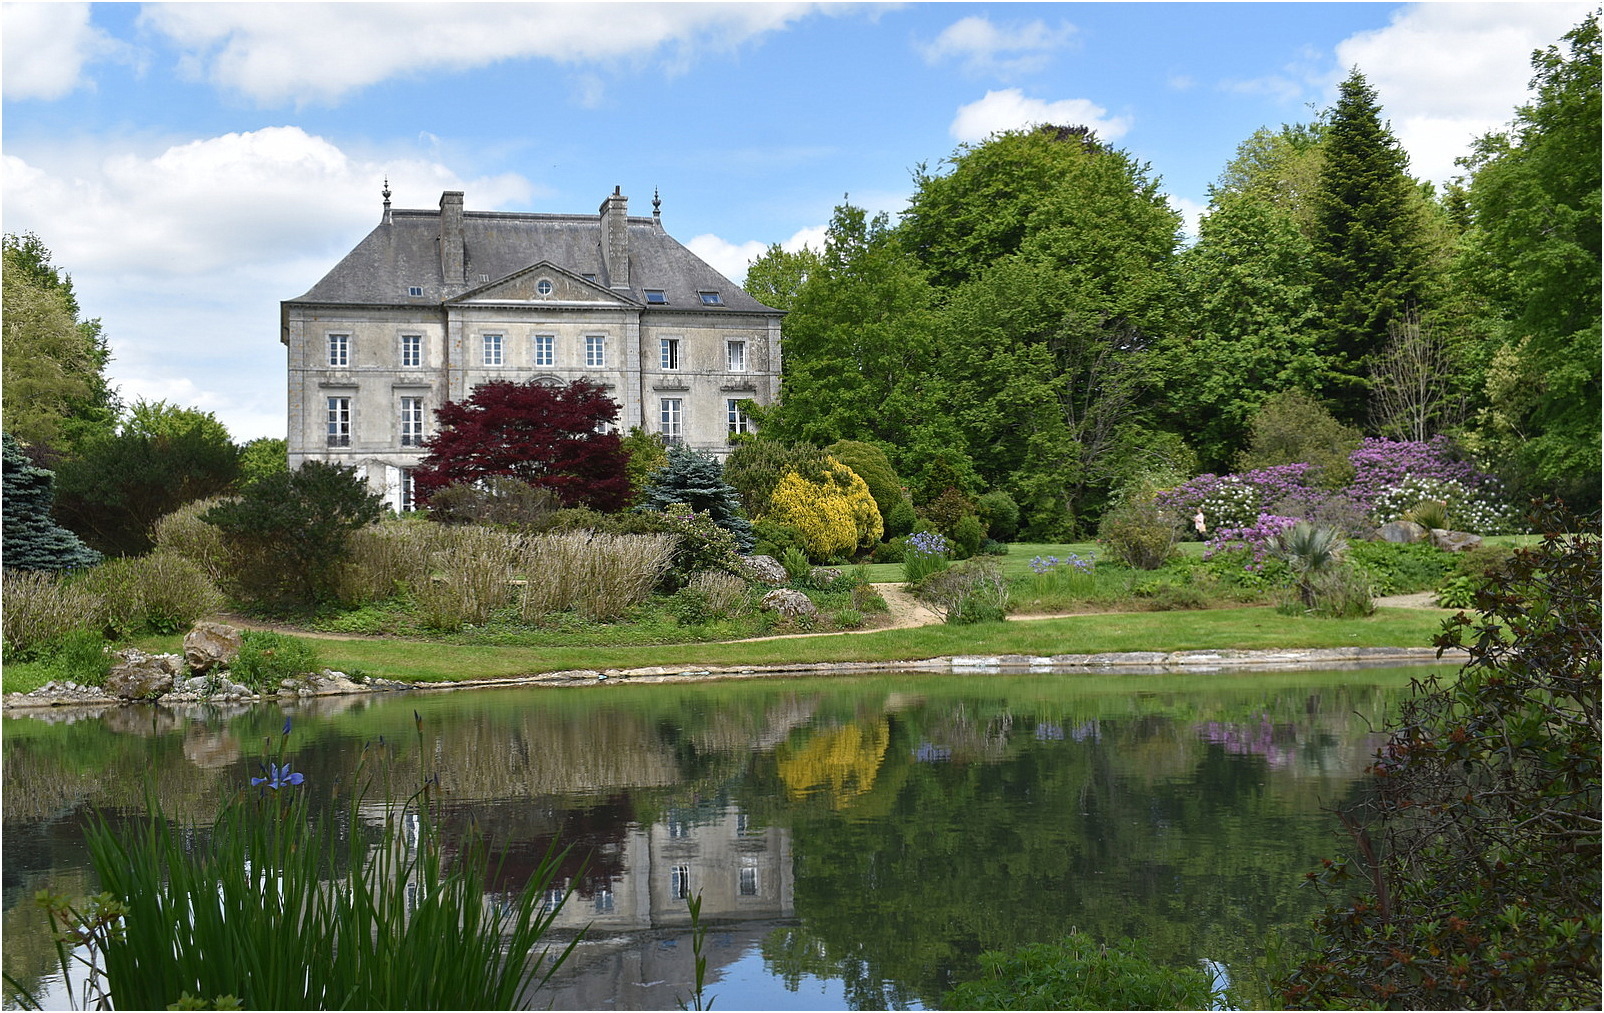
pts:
pixel 433 303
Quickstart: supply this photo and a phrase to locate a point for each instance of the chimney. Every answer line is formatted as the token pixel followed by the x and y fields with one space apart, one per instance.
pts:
pixel 451 254
pixel 614 213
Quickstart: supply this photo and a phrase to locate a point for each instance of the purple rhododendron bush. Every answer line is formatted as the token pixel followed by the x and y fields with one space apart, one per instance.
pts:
pixel 1391 478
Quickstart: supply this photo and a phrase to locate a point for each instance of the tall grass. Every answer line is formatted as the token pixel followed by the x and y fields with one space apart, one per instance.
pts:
pixel 386 558
pixel 41 609
pixel 162 592
pixel 600 575
pixel 469 576
pixel 282 907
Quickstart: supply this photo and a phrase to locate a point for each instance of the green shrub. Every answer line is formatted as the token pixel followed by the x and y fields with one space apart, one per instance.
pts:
pixel 80 656
pixel 796 564
pixel 497 501
pixel 1138 532
pixel 888 552
pixel 967 535
pixel 266 659
pixel 1079 973
pixel 773 538
pixel 972 592
pixel 1000 513
pixel 867 600
pixel 902 519
pixel 159 593
pixel 183 533
pixel 42 608
pixel 1342 592
pixel 848 619
pixel 1395 568
pixel 1458 592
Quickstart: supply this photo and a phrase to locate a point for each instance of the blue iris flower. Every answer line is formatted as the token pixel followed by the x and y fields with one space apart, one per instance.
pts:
pixel 279 776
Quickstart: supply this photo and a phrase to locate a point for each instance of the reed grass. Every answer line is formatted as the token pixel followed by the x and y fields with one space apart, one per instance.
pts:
pixel 469 576
pixel 602 576
pixel 280 906
pixel 41 609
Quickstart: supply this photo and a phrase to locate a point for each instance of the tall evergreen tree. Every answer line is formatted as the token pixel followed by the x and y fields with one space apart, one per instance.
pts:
pixel 1369 254
pixel 697 481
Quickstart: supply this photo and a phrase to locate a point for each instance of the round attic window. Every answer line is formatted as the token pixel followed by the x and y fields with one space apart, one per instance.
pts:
pixel 543 286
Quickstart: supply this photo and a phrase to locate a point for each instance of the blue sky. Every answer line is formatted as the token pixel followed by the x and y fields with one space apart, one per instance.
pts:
pixel 192 165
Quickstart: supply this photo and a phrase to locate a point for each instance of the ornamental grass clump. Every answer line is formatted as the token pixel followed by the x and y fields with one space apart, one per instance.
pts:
pixel 40 609
pixel 278 904
pixel 469 576
pixel 601 576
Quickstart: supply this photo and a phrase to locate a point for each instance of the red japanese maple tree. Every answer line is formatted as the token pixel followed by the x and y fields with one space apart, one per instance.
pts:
pixel 544 435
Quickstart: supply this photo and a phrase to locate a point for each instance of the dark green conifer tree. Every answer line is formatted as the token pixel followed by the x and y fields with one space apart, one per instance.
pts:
pixel 1369 252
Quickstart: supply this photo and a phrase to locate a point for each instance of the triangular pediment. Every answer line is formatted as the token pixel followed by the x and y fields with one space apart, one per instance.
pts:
pixel 543 282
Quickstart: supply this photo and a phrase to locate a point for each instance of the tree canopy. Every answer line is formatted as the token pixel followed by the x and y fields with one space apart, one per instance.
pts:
pixel 546 436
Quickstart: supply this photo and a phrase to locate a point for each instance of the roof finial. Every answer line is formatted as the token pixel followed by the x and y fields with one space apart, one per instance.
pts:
pixel 386 192
pixel 657 204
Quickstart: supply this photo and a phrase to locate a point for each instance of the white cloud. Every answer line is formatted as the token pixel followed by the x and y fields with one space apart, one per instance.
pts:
pixel 985 48
pixel 1011 110
pixel 732 259
pixel 1191 214
pixel 277 53
pixel 45 47
pixel 185 252
pixel 1448 72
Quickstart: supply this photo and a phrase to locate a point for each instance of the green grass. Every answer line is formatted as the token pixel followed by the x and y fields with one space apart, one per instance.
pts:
pixel 1238 628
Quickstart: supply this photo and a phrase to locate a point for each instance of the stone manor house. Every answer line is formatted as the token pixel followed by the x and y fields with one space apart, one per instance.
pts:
pixel 433 303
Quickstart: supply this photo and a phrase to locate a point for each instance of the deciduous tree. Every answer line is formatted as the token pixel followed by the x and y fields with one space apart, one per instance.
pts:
pixel 546 436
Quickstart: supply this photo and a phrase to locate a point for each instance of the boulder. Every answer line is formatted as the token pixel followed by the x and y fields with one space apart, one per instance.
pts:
pixel 823 576
pixel 790 604
pixel 764 570
pixel 211 645
pixel 1454 541
pixel 1402 532
pixel 136 675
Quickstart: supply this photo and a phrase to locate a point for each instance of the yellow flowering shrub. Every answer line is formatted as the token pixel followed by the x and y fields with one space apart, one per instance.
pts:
pixel 835 514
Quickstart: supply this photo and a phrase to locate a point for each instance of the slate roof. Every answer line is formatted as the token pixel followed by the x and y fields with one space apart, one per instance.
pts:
pixel 405 252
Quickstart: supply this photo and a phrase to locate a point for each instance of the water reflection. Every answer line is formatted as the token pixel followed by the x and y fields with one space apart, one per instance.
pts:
pixel 855 843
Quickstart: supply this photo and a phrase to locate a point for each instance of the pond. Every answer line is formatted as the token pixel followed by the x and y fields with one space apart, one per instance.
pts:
pixel 856 842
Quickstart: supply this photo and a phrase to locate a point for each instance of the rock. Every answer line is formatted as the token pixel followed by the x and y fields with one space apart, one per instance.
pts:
pixel 823 576
pixel 211 645
pixel 764 570
pixel 1454 541
pixel 1402 532
pixel 790 604
pixel 140 676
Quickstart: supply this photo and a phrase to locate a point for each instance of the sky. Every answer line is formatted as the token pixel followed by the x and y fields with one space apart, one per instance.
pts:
pixel 191 165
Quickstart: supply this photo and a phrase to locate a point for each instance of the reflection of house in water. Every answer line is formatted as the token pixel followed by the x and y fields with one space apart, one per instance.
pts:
pixel 741 872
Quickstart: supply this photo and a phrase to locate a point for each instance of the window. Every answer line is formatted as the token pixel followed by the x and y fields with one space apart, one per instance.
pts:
pixel 670 415
pixel 748 881
pixel 409 491
pixel 670 349
pixel 595 351
pixel 543 286
pixel 656 297
pixel 678 829
pixel 735 354
pixel 411 349
pixel 711 298
pixel 339 422
pixel 492 349
pixel 679 882
pixel 588 277
pixel 738 422
pixel 545 350
pixel 339 349
pixel 415 290
pixel 604 901
pixel 412 422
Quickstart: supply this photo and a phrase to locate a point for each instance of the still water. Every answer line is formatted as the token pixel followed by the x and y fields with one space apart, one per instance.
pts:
pixel 856 842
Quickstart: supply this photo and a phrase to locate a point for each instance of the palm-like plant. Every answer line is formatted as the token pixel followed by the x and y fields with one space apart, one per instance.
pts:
pixel 1308 550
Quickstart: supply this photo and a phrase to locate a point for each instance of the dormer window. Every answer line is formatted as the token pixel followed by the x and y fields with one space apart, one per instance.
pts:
pixel 415 291
pixel 588 277
pixel 655 297
pixel 711 298
pixel 543 286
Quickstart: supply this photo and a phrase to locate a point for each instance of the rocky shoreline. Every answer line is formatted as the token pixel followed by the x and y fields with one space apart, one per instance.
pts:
pixel 217 689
